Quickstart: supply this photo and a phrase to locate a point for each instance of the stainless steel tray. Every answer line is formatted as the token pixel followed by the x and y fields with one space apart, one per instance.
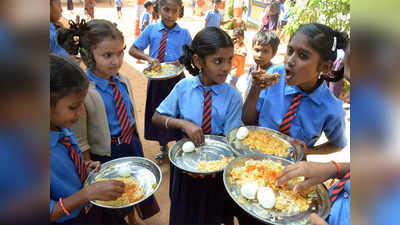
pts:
pixel 214 147
pixel 174 72
pixel 296 152
pixel 146 172
pixel 321 203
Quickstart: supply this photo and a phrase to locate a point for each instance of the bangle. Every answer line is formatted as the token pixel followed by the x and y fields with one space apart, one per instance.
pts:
pixel 63 207
pixel 166 122
pixel 337 168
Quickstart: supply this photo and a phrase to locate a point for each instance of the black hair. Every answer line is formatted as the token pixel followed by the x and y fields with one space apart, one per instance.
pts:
pixel 83 37
pixel 238 31
pixel 321 38
pixel 66 78
pixel 148 3
pixel 160 3
pixel 266 37
pixel 206 42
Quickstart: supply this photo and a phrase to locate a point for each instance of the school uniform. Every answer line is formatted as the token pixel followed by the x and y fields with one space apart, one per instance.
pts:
pixel 118 4
pixel 146 17
pixel 157 91
pixel 214 18
pixel 195 200
pixel 65 179
pixel 54 46
pixel 317 112
pixel 102 134
pixel 340 204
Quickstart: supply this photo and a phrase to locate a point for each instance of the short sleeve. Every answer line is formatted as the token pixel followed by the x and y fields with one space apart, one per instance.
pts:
pixel 234 113
pixel 170 104
pixel 208 16
pixel 52 204
pixel 144 39
pixel 335 130
pixel 188 40
pixel 260 101
pixel 146 18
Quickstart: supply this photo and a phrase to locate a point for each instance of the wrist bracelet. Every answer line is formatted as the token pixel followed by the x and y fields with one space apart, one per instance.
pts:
pixel 63 207
pixel 166 122
pixel 337 168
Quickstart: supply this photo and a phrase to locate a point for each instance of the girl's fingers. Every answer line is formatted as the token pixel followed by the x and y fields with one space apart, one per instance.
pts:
pixel 304 185
pixel 290 175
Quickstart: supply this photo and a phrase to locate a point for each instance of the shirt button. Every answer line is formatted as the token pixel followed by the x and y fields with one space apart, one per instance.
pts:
pixel 346 195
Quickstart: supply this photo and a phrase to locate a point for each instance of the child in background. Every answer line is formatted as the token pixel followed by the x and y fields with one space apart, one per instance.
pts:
pixel 146 18
pixel 239 59
pixel 201 105
pixel 214 16
pixel 299 103
pixel 265 45
pixel 55 15
pixel 108 130
pixel 166 40
pixel 68 196
pixel 119 4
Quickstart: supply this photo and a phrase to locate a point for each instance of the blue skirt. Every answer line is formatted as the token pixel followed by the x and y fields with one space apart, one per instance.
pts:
pixel 157 91
pixel 198 201
pixel 148 207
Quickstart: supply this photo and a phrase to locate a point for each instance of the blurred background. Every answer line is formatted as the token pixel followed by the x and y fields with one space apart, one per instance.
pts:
pixel 24 108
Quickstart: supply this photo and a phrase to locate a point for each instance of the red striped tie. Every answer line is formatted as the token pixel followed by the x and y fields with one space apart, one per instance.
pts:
pixel 76 158
pixel 127 129
pixel 163 43
pixel 206 120
pixel 288 117
pixel 339 187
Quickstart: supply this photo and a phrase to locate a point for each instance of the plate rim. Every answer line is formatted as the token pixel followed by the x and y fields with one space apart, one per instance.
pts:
pixel 265 156
pixel 163 77
pixel 199 172
pixel 133 203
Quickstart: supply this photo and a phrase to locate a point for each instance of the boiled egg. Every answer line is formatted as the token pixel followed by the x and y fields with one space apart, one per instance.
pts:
pixel 124 171
pixel 242 133
pixel 249 190
pixel 266 197
pixel 188 146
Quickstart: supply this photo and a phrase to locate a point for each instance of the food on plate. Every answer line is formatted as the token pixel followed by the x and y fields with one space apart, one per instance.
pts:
pixel 162 69
pixel 133 192
pixel 215 165
pixel 188 146
pixel 242 133
pixel 264 173
pixel 267 143
pixel 249 190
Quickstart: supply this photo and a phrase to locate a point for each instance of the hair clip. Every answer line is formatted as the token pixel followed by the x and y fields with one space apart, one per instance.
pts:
pixel 334 44
pixel 76 39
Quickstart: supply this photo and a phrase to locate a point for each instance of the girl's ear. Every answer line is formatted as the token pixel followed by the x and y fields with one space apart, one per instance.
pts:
pixel 325 67
pixel 197 61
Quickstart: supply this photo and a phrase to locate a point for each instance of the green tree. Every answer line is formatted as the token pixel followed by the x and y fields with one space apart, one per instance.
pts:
pixel 333 13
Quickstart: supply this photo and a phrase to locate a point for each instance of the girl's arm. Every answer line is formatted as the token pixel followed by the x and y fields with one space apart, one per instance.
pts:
pixel 104 191
pixel 194 132
pixel 250 114
pixel 138 54
pixel 323 149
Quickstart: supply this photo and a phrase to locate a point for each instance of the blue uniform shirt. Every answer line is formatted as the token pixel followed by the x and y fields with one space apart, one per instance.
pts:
pixel 106 92
pixel 319 111
pixel 152 34
pixel 213 18
pixel 54 46
pixel 64 177
pixel 187 98
pixel 118 3
pixel 145 18
pixel 340 210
